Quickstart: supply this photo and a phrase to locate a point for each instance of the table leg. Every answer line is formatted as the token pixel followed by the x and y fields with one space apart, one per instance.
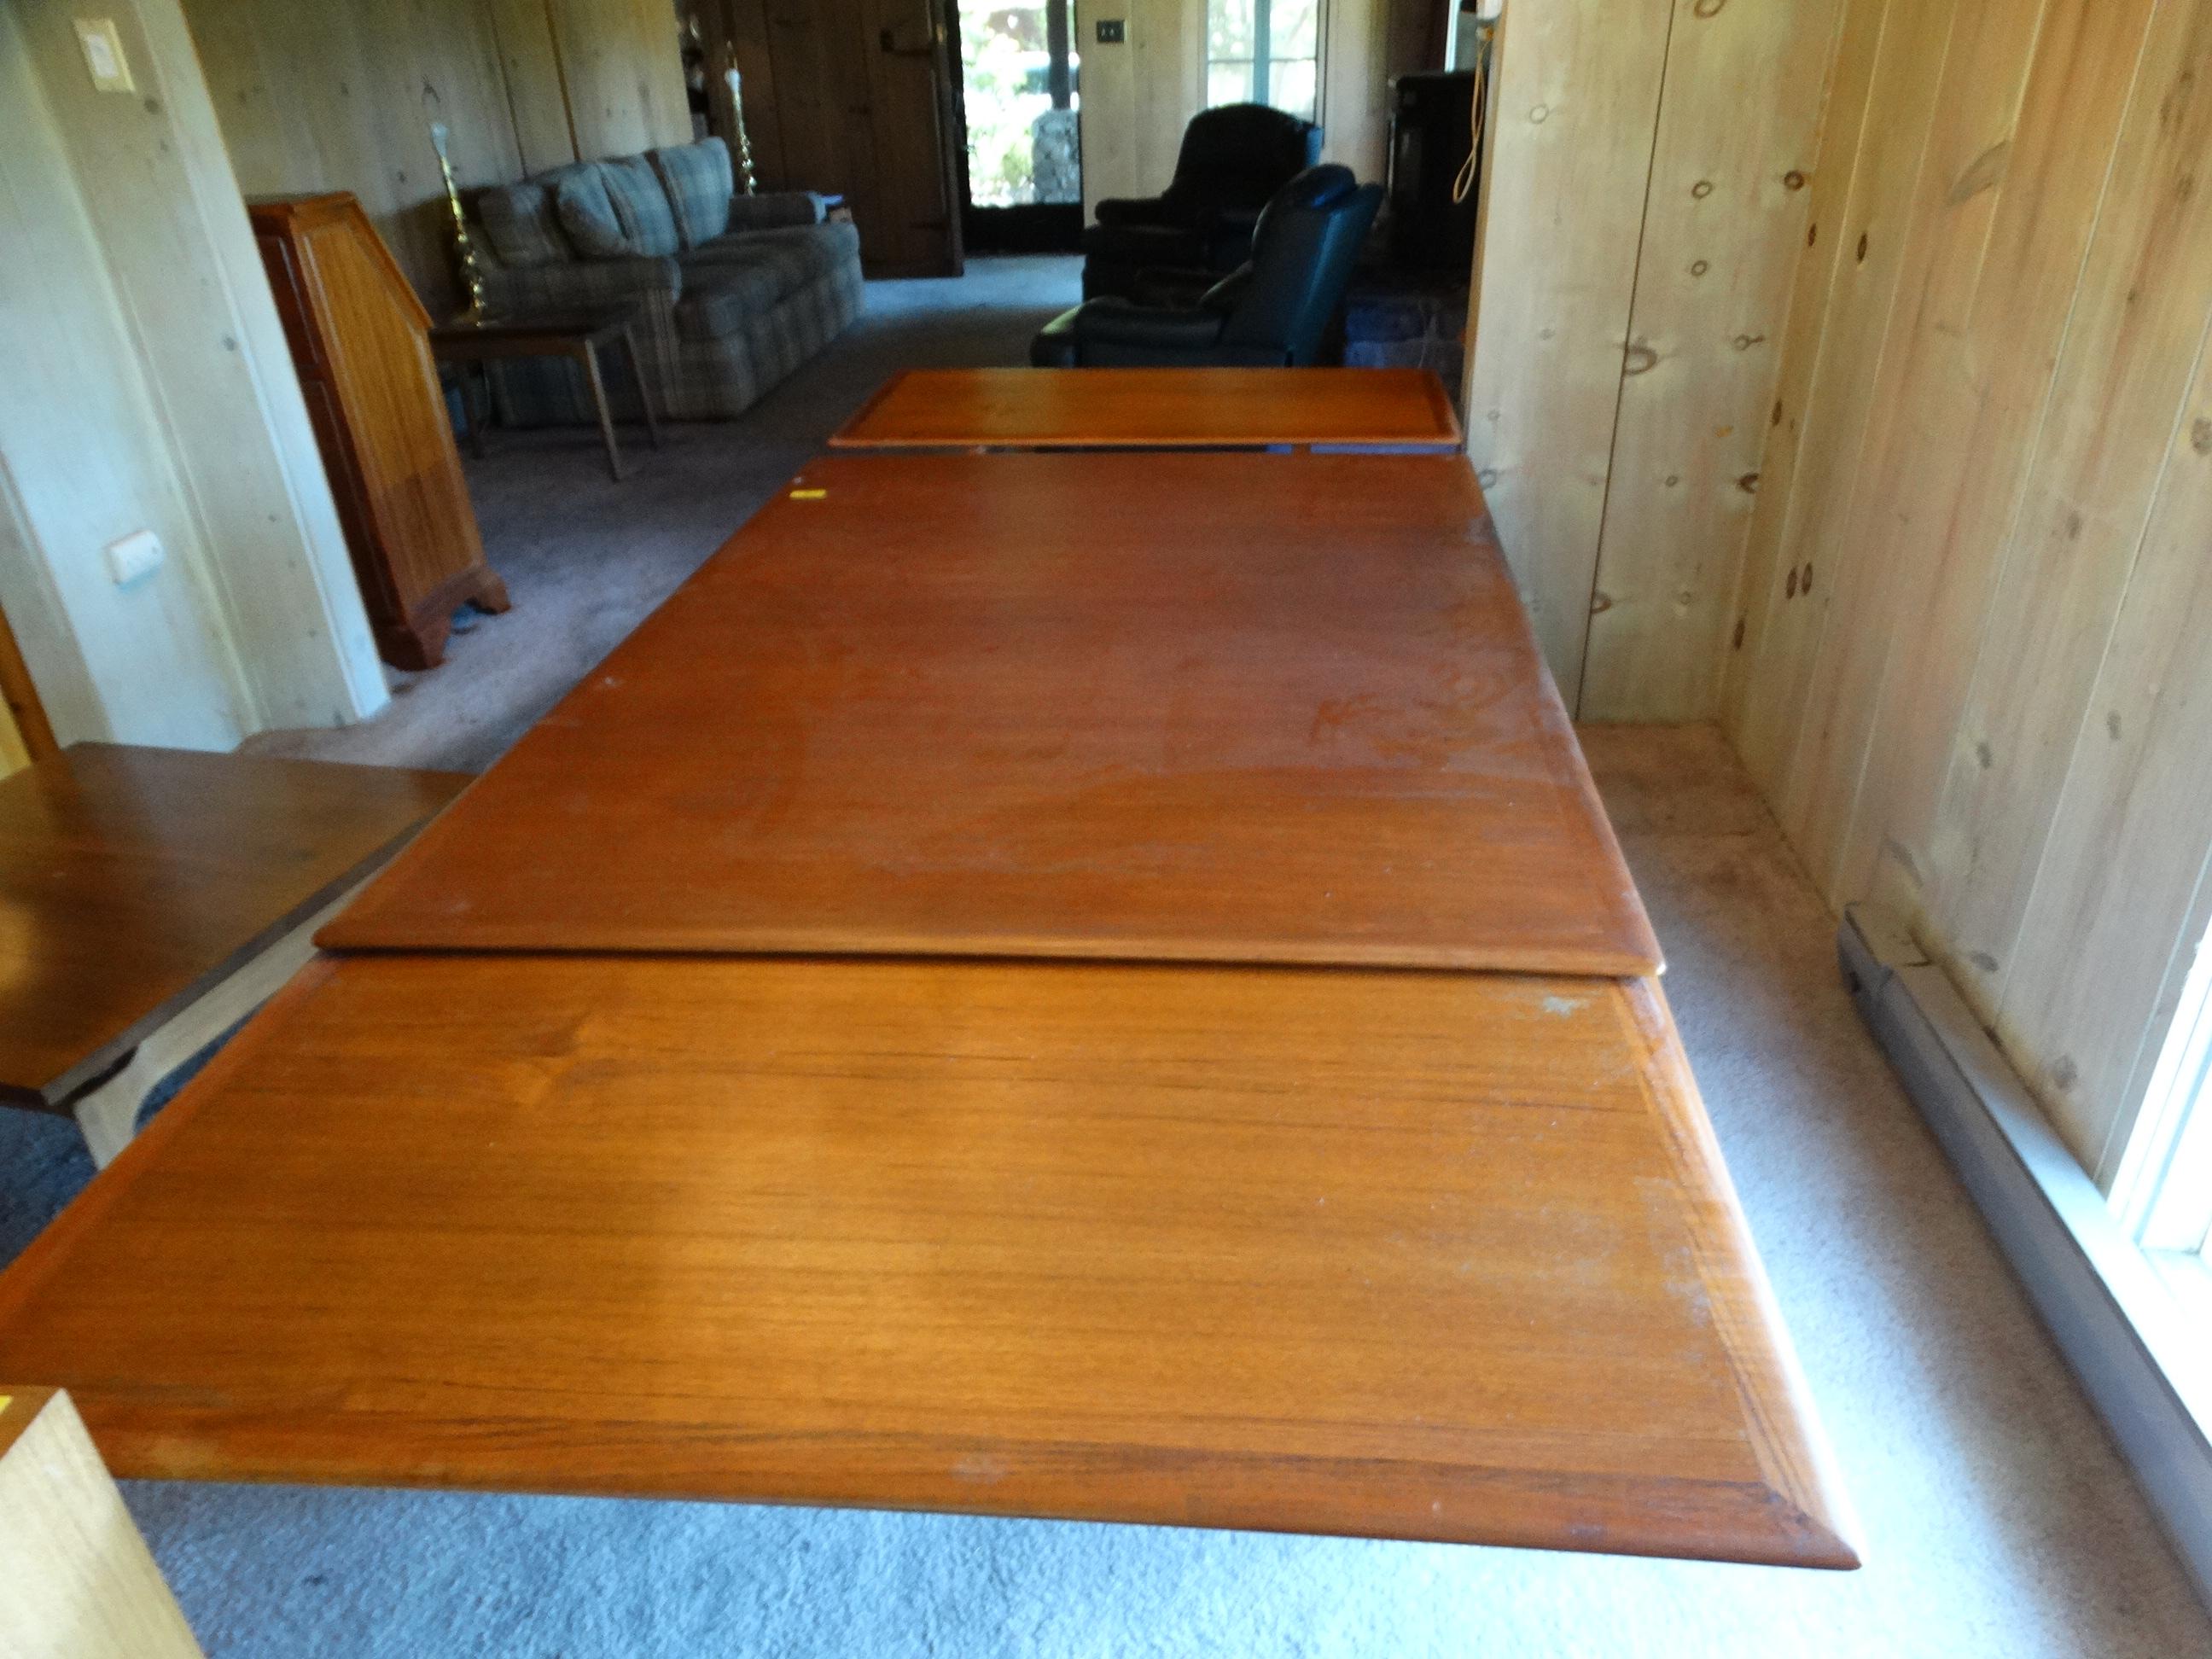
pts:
pixel 476 382
pixel 588 355
pixel 644 391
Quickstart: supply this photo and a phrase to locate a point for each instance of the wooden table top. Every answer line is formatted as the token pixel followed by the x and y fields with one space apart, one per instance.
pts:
pixel 132 879
pixel 528 333
pixel 1445 1256
pixel 1154 408
pixel 1220 708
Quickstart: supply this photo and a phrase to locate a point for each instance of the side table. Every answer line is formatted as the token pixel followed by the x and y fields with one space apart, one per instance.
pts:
pixel 575 335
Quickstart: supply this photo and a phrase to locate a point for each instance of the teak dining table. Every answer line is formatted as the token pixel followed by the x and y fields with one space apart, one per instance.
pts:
pixel 1155 409
pixel 1128 1012
pixel 1211 707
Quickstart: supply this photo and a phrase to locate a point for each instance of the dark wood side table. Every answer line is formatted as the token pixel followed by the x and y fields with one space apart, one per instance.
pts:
pixel 575 335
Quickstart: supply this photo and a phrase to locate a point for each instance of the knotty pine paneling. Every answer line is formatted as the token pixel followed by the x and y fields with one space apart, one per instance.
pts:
pixel 339 95
pixel 1992 708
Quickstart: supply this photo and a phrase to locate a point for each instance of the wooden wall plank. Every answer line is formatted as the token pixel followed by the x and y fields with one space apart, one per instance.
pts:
pixel 1578 108
pixel 2119 388
pixel 1355 105
pixel 2117 903
pixel 623 72
pixel 1726 212
pixel 2001 212
pixel 530 68
pixel 1967 480
pixel 1889 59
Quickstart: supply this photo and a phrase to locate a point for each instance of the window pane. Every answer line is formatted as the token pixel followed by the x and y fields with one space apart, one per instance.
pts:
pixel 1227 28
pixel 1294 28
pixel 1290 86
pixel 1228 83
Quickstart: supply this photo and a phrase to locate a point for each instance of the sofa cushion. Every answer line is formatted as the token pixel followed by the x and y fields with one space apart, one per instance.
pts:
pixel 521 224
pixel 648 223
pixel 806 250
pixel 697 181
pixel 734 281
pixel 587 212
pixel 615 210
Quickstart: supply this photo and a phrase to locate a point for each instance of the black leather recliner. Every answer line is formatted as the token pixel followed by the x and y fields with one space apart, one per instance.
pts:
pixel 1273 311
pixel 1232 160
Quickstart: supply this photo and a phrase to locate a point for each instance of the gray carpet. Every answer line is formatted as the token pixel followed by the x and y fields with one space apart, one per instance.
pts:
pixel 1998 1520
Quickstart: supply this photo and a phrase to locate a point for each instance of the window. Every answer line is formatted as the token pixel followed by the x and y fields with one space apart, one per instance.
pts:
pixel 2164 1190
pixel 1264 51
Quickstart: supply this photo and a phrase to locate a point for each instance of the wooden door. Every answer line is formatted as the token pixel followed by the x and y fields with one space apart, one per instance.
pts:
pixel 910 92
pixel 854 97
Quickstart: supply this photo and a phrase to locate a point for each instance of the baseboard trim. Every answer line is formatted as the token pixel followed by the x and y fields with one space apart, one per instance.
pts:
pixel 2117 1326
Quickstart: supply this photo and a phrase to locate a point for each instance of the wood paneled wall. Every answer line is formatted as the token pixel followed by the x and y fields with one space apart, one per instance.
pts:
pixel 1968 662
pixel 1137 97
pixel 339 95
pixel 1648 185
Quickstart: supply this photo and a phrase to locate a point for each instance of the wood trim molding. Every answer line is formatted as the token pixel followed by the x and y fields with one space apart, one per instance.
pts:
pixel 2117 1326
pixel 80 1582
pixel 21 697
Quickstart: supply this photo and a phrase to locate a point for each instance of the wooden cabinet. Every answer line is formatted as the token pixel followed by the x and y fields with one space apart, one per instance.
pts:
pixel 359 338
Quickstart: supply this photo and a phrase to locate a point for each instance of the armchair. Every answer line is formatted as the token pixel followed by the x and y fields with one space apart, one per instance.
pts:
pixel 1232 160
pixel 1273 311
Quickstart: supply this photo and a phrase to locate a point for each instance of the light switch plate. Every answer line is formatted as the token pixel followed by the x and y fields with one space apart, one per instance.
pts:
pixel 1112 31
pixel 135 555
pixel 103 54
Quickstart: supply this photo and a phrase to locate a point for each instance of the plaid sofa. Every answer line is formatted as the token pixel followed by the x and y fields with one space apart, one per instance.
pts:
pixel 734 292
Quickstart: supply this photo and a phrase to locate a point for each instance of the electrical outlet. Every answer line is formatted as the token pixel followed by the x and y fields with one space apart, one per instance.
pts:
pixel 136 554
pixel 103 54
pixel 1111 31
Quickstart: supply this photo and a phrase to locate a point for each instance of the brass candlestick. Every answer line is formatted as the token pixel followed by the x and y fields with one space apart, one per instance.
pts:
pixel 465 251
pixel 737 114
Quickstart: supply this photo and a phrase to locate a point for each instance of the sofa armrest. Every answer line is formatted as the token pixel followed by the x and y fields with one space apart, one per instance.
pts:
pixel 585 284
pixel 775 209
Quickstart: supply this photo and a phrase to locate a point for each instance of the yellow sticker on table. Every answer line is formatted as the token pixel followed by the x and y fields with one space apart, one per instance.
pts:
pixel 808 494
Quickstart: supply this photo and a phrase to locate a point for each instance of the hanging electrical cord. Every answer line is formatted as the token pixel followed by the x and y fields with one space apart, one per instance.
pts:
pixel 1463 185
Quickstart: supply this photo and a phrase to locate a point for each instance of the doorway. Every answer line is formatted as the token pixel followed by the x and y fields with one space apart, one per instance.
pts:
pixel 1020 148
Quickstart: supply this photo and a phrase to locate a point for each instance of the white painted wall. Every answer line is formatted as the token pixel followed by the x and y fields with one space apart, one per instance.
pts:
pixel 148 387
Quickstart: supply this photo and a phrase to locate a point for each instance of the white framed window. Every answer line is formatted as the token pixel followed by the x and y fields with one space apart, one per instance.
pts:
pixel 1264 52
pixel 2163 1192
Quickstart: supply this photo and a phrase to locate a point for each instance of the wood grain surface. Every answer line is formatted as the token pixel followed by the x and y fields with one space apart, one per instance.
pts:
pixel 1224 707
pixel 132 878
pixel 80 1582
pixel 360 342
pixel 1153 409
pixel 1443 1256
